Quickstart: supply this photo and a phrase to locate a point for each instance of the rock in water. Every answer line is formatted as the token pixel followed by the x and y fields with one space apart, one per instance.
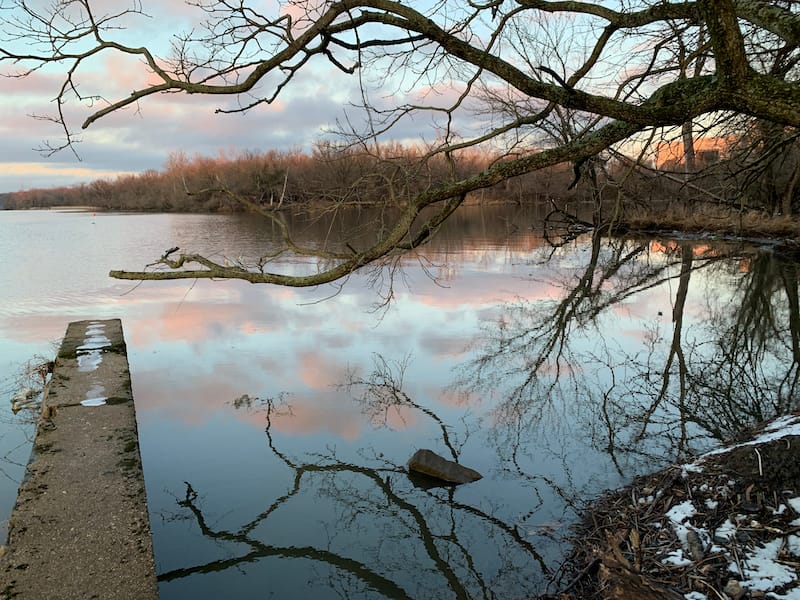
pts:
pixel 431 464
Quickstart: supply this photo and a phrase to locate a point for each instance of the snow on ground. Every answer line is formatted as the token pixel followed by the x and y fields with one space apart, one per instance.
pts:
pixel 723 527
pixel 765 569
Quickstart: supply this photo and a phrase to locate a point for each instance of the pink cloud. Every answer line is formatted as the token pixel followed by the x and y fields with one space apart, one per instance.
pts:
pixel 191 402
pixel 191 322
pixel 443 93
pixel 320 372
pixel 33 169
pixel 125 73
pixel 304 13
pixel 196 401
pixel 397 417
pixel 321 413
pixel 37 83
pixel 35 328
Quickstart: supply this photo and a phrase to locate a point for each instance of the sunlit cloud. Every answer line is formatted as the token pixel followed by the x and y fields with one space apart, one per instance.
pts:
pixel 35 328
pixel 327 412
pixel 143 135
pixel 319 371
pixel 31 169
pixel 396 417
pixel 197 400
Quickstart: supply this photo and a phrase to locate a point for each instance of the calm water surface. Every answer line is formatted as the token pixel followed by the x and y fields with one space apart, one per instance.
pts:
pixel 275 423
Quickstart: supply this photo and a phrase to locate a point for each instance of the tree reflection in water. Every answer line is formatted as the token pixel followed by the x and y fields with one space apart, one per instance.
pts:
pixel 699 379
pixel 719 352
pixel 427 540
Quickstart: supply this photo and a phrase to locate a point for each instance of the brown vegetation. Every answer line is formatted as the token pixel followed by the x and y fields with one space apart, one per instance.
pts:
pixel 628 195
pixel 716 221
pixel 328 175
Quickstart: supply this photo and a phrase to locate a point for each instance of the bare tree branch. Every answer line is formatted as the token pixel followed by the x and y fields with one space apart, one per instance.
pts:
pixel 597 76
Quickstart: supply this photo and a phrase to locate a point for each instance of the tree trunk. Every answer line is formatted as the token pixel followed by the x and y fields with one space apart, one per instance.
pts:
pixel 689 163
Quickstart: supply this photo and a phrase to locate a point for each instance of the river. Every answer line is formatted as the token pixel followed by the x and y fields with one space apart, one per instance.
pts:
pixel 275 423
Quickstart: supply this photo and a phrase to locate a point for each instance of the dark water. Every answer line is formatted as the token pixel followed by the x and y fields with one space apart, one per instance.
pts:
pixel 275 423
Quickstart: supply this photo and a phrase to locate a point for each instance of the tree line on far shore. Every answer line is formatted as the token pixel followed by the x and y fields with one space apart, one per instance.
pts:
pixel 341 175
pixel 283 179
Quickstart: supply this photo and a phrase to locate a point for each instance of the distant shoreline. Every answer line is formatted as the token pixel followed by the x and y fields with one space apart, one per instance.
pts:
pixel 66 208
pixel 774 232
pixel 76 208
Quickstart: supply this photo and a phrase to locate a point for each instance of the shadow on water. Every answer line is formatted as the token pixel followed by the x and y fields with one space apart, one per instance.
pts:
pixel 553 373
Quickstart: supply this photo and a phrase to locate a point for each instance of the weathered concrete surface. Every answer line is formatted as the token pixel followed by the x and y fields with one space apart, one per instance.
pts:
pixel 431 464
pixel 80 527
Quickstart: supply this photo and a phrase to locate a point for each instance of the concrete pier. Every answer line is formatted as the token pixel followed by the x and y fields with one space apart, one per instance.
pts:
pixel 80 527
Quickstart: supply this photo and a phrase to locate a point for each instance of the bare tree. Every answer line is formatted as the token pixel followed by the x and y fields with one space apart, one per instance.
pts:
pixel 613 78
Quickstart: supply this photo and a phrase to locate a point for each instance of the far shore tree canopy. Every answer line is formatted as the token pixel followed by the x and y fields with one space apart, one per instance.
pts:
pixel 569 79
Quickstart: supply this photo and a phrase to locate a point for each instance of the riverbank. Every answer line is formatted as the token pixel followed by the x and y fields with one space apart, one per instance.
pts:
pixel 717 224
pixel 726 526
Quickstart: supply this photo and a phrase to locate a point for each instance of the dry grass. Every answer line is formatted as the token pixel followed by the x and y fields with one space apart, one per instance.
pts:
pixel 750 224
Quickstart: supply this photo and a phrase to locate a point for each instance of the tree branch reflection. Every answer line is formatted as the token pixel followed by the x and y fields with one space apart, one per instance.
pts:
pixel 751 371
pixel 728 360
pixel 426 525
pixel 382 391
pixel 261 550
pixel 600 360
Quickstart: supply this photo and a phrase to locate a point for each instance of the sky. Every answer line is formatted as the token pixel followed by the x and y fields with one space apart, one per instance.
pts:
pixel 143 137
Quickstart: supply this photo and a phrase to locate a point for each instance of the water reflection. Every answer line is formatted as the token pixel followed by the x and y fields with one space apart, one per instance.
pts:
pixel 455 549
pixel 607 358
pixel 653 363
pixel 385 403
pixel 641 354
pixel 555 372
pixel 748 371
